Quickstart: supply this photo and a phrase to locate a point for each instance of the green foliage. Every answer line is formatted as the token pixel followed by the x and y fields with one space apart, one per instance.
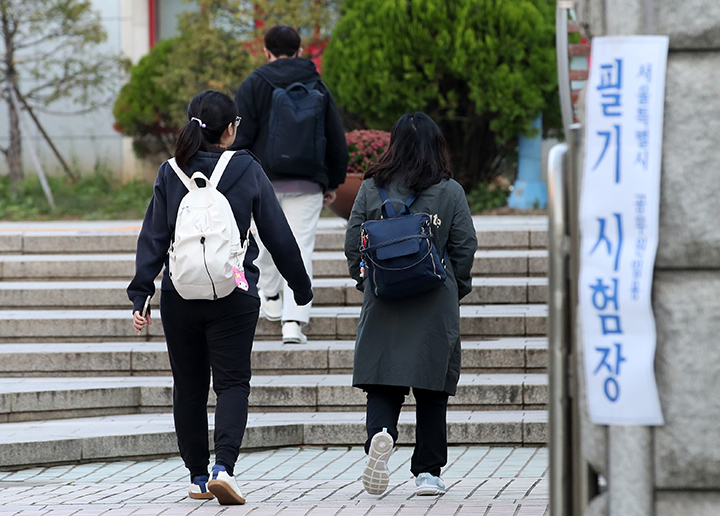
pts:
pixel 144 109
pixel 51 50
pixel 93 197
pixel 483 69
pixel 488 196
pixel 152 106
pixel 55 44
pixel 218 45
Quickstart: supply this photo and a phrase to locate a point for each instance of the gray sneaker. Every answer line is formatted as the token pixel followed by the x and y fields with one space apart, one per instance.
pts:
pixel 429 485
pixel 375 476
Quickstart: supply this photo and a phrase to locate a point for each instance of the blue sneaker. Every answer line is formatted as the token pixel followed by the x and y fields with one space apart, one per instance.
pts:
pixel 198 488
pixel 429 485
pixel 223 486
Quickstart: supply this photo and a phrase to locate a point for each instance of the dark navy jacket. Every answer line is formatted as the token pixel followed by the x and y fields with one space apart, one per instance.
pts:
pixel 254 98
pixel 249 193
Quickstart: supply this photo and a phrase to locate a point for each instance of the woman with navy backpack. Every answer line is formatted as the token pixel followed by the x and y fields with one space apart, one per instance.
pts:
pixel 213 333
pixel 411 341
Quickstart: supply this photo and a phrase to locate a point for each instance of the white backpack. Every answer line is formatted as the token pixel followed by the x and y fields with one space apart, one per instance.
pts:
pixel 206 255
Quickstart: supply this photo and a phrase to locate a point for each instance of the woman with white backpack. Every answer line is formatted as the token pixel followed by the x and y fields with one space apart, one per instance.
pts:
pixel 198 226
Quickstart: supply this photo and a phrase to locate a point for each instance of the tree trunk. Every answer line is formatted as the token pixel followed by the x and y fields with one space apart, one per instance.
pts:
pixel 476 157
pixel 14 153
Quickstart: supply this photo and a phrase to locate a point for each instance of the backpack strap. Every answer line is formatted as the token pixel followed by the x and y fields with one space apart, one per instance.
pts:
pixel 220 167
pixel 387 205
pixel 189 183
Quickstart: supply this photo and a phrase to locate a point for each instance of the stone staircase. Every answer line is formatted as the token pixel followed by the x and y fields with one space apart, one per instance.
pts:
pixel 77 383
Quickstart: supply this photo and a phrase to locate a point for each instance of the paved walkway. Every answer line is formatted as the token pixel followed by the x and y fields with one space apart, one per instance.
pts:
pixel 305 481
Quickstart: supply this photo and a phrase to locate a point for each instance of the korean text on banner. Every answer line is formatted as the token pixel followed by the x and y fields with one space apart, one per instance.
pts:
pixel 619 209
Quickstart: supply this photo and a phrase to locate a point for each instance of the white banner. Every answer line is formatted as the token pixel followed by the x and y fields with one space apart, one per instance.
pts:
pixel 619 207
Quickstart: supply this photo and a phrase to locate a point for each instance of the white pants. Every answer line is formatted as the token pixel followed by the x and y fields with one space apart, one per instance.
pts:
pixel 302 212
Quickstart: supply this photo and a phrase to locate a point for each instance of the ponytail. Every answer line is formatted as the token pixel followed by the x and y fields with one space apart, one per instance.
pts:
pixel 190 140
pixel 209 114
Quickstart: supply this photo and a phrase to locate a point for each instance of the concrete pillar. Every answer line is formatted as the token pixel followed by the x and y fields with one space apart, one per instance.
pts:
pixel 675 469
pixel 135 43
pixel 529 190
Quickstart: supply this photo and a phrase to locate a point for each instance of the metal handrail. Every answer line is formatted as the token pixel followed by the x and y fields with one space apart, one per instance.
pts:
pixel 559 406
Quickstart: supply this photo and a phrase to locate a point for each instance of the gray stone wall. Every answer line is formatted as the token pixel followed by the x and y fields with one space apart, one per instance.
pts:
pixel 684 457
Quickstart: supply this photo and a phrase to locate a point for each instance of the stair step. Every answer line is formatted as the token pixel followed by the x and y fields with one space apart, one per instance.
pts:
pixel 333 323
pixel 121 236
pixel 42 443
pixel 31 399
pixel 326 264
pixel 510 355
pixel 327 291
pixel 67 349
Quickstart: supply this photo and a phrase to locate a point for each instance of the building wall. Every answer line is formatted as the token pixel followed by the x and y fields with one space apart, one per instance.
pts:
pixel 89 140
pixel 682 458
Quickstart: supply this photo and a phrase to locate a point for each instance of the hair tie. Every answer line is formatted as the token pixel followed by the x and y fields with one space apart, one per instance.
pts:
pixel 199 122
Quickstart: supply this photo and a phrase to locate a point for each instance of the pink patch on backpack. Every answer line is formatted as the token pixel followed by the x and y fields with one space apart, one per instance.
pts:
pixel 240 279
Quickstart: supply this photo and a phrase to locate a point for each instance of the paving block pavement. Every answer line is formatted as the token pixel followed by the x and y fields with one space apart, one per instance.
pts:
pixel 294 481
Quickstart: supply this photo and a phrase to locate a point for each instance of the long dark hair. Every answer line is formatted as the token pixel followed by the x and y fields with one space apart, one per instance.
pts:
pixel 418 154
pixel 209 114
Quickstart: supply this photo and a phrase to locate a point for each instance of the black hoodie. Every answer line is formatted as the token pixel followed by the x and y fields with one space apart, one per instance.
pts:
pixel 250 194
pixel 254 98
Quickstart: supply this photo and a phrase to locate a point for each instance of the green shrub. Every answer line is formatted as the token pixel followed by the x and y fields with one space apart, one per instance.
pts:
pixel 483 69
pixel 488 196
pixel 206 55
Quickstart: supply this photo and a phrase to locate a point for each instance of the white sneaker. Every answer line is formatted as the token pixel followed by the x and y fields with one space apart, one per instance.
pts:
pixel 375 476
pixel 292 333
pixel 224 487
pixel 198 489
pixel 272 308
pixel 429 485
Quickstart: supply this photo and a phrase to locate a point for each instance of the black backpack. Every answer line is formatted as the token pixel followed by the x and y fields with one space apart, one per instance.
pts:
pixel 296 134
pixel 399 256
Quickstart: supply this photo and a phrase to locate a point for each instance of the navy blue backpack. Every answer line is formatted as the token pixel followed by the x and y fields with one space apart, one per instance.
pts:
pixel 399 256
pixel 296 133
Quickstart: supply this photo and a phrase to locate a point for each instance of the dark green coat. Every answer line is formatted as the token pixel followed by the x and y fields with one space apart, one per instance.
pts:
pixel 414 341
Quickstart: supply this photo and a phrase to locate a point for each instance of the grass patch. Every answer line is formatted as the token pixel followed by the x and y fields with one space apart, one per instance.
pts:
pixel 96 196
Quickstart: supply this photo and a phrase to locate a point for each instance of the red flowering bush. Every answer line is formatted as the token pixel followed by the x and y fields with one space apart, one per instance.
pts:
pixel 365 147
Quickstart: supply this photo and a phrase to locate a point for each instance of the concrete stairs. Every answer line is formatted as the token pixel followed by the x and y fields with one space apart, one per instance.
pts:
pixel 77 383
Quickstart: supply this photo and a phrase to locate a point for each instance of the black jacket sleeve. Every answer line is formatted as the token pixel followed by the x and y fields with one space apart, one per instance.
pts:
pixel 462 242
pixel 249 125
pixel 336 153
pixel 352 236
pixel 277 237
pixel 152 246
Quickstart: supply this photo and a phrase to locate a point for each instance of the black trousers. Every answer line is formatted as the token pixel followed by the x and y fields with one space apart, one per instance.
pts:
pixel 203 336
pixel 384 403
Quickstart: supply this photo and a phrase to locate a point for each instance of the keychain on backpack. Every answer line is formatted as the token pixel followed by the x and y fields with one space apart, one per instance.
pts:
pixel 240 279
pixel 362 269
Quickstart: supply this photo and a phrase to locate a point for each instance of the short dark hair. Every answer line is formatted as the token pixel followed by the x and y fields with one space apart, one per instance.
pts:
pixel 282 40
pixel 417 156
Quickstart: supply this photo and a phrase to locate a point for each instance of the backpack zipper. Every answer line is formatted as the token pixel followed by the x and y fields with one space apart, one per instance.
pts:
pixel 426 226
pixel 202 242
